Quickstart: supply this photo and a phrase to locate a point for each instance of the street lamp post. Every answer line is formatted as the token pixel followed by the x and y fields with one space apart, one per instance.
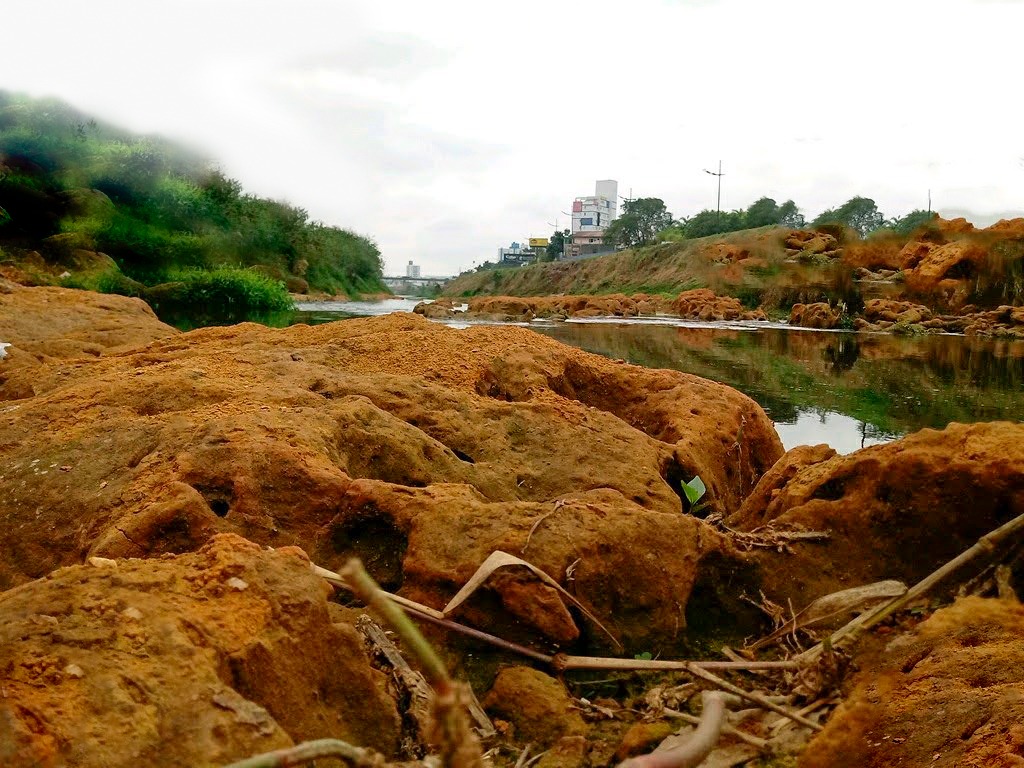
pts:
pixel 718 202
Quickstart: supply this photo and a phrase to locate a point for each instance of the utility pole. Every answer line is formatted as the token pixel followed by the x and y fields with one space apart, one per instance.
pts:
pixel 718 202
pixel 929 201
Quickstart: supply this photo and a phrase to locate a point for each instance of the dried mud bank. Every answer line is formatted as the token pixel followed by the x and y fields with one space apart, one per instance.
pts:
pixel 144 482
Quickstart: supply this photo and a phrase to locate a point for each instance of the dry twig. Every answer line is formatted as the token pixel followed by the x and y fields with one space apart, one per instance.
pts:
pixel 309 751
pixel 987 544
pixel 458 745
pixel 755 741
pixel 694 751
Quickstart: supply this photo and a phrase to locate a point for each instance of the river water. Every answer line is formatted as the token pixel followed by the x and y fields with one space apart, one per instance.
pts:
pixel 846 389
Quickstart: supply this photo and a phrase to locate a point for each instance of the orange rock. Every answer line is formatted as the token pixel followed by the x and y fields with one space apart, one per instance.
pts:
pixel 538 706
pixel 1012 227
pixel 895 311
pixel 44 324
pixel 949 694
pixel 818 315
pixel 704 304
pixel 894 511
pixel 642 738
pixel 418 447
pixel 200 659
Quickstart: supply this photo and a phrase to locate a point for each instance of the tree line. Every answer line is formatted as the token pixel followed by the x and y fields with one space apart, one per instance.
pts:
pixel 647 220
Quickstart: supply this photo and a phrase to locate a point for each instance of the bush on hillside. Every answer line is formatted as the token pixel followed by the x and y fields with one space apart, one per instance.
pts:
pixel 155 208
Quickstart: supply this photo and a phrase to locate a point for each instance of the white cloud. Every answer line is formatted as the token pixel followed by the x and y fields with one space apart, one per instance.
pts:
pixel 447 129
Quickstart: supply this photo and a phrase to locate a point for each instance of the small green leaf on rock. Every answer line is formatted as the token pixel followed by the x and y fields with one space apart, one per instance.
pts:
pixel 694 490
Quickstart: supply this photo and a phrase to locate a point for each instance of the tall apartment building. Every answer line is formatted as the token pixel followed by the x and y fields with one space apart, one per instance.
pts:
pixel 593 214
pixel 412 270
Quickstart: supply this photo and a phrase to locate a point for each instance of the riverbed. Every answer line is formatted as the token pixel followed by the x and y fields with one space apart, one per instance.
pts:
pixel 848 390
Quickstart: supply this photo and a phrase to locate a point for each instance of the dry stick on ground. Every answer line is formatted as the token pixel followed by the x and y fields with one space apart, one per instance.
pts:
pixel 420 692
pixel 416 687
pixel 694 751
pixel 985 545
pixel 762 701
pixel 382 600
pixel 433 616
pixel 755 741
pixel 413 681
pixel 458 744
pixel 309 751
pixel 563 663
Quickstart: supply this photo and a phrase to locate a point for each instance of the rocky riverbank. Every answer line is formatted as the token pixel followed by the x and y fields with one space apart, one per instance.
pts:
pixel 946 277
pixel 165 494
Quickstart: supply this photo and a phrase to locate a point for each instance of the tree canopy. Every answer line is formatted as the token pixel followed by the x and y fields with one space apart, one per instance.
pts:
pixel 904 225
pixel 639 224
pixel 859 213
pixel 556 245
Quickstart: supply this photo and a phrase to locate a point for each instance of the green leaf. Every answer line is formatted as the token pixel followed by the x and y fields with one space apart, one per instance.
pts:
pixel 694 490
pixel 645 656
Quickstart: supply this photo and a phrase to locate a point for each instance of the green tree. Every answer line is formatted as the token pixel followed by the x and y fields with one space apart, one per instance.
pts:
pixel 709 222
pixel 639 224
pixel 762 213
pixel 556 245
pixel 906 224
pixel 859 213
pixel 790 216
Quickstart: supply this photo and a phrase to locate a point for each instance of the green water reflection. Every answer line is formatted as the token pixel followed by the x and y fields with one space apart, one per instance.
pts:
pixel 888 385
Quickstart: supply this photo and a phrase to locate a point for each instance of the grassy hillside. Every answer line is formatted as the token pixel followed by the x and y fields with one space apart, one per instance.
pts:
pixel 70 185
pixel 752 265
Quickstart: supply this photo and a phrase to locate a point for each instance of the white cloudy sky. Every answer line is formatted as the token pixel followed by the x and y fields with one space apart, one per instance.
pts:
pixel 445 129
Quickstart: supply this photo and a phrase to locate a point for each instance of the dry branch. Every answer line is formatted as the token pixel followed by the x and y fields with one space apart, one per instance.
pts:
pixel 458 745
pixel 309 751
pixel 563 663
pixel 757 698
pixel 420 692
pixel 987 544
pixel 694 751
pixel 831 606
pixel 755 741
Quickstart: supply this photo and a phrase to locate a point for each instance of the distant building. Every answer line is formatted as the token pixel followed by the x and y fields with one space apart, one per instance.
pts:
pixel 412 270
pixel 590 217
pixel 595 213
pixel 584 245
pixel 517 254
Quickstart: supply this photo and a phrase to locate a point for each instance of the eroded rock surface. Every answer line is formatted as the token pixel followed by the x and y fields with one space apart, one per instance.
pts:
pixel 949 694
pixel 199 659
pixel 418 447
pixel 47 324
pixel 894 511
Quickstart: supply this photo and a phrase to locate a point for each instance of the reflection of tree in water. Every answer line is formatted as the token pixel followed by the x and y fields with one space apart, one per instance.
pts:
pixel 842 353
pixel 892 384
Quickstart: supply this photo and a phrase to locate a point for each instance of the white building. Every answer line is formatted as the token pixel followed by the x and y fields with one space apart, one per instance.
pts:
pixel 594 214
pixel 412 270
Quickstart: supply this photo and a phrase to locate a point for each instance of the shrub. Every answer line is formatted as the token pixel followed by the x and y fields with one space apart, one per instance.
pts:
pixel 220 294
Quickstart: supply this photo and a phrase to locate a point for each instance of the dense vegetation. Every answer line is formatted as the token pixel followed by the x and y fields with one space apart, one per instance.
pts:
pixel 69 183
pixel 858 213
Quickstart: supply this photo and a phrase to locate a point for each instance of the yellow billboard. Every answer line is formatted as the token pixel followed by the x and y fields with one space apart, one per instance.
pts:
pixel 538 242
